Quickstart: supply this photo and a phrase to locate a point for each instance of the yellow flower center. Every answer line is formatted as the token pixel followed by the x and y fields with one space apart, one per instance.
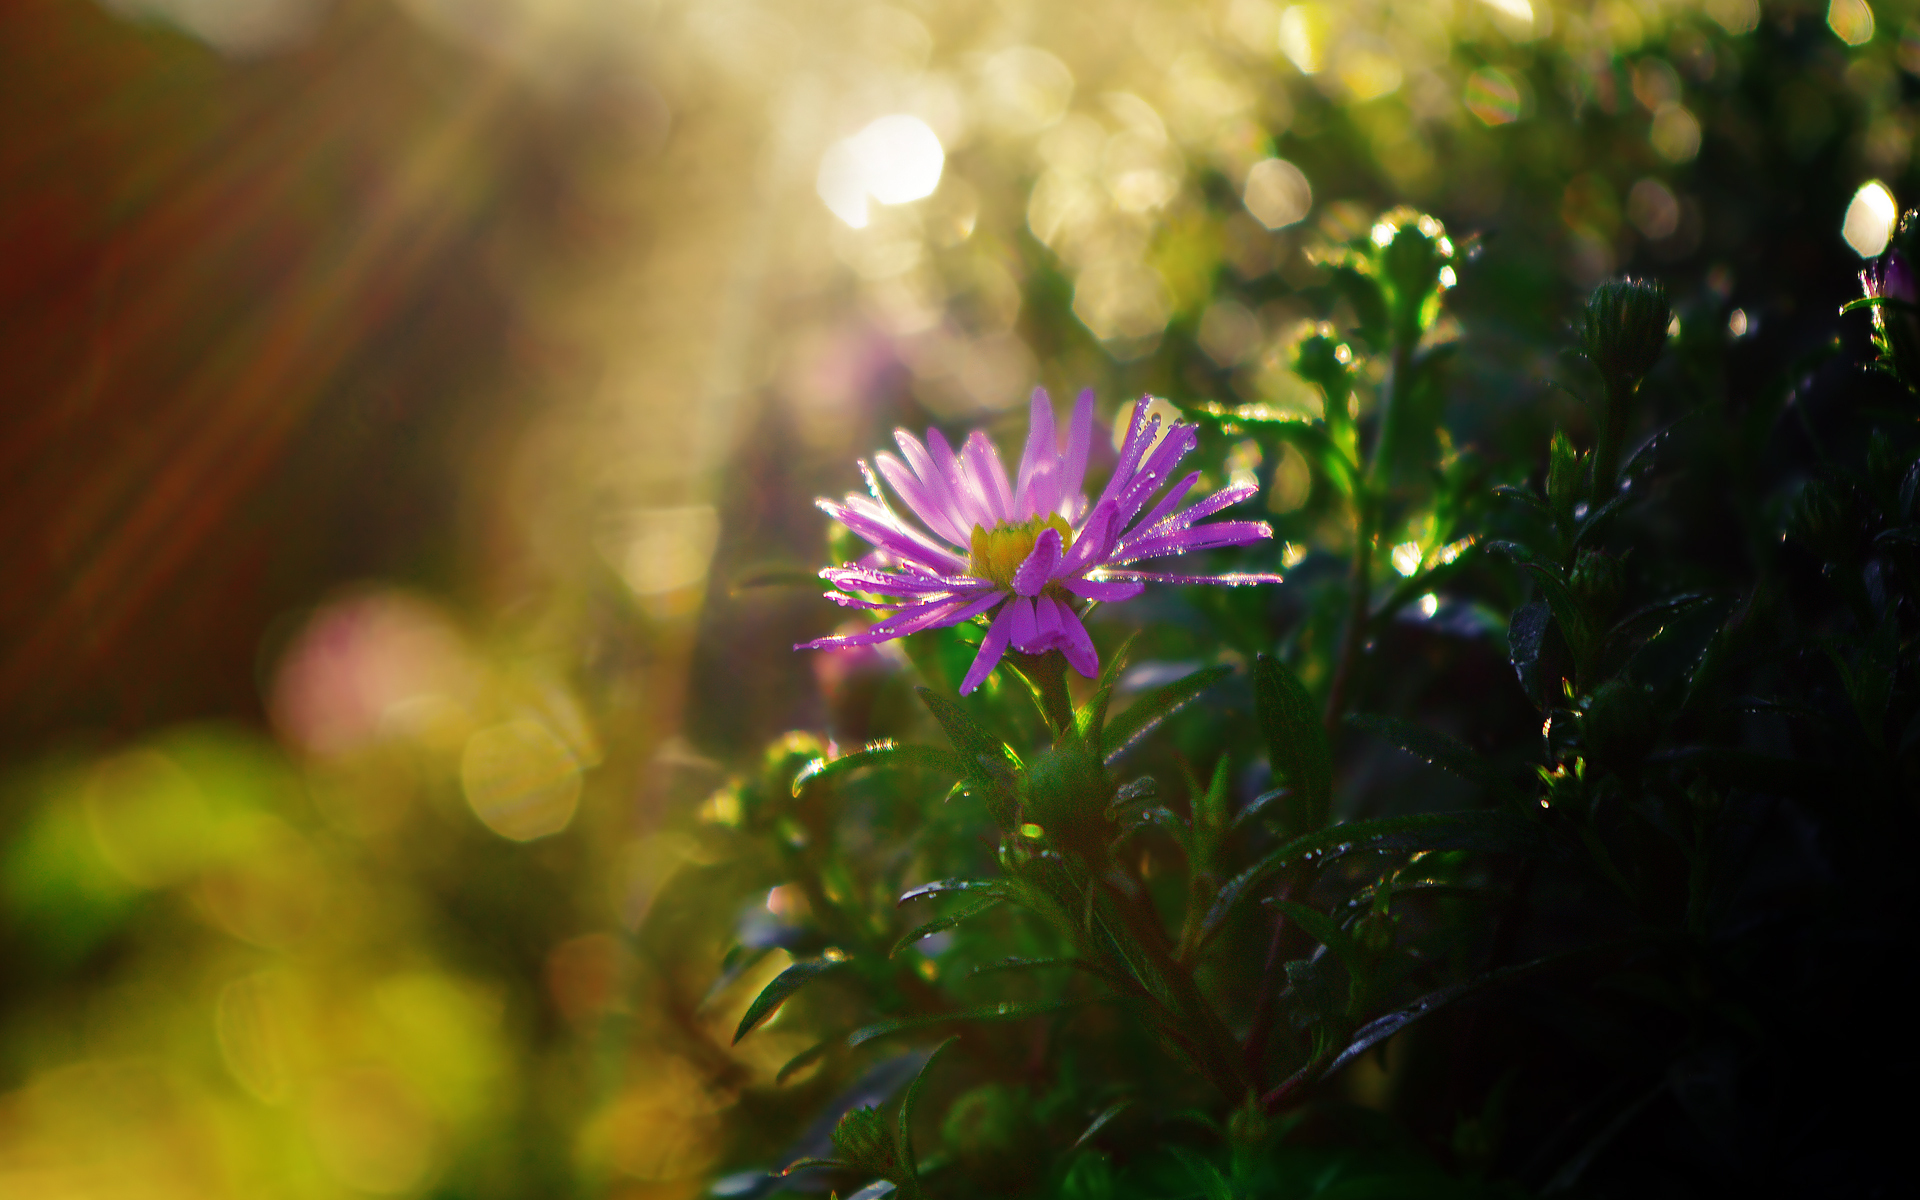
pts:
pixel 998 552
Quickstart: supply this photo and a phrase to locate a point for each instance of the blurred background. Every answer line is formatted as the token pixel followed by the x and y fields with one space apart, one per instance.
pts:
pixel 413 409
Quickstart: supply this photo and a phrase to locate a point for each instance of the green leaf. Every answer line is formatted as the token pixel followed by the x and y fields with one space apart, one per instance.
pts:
pixel 984 754
pixel 805 1057
pixel 785 984
pixel 1432 747
pixel 1328 933
pixel 903 1135
pixel 1019 964
pixel 1372 1034
pixel 1005 1010
pixel 1090 721
pixel 1146 713
pixel 947 922
pixel 1101 1122
pixel 1526 638
pixel 1045 676
pixel 1296 743
pixel 1472 829
pixel 1507 491
pixel 886 753
pixel 1595 520
pixel 939 886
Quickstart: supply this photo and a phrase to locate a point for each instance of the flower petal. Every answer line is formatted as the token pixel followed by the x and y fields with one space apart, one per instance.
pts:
pixel 935 615
pixel 1140 434
pixel 967 504
pixel 924 505
pixel 1073 467
pixel 1105 590
pixel 1091 543
pixel 1231 579
pixel 982 463
pixel 932 478
pixel 1040 564
pixel 889 536
pixel 1022 632
pixel 1039 462
pixel 1168 503
pixel 991 648
pixel 1186 541
pixel 1074 642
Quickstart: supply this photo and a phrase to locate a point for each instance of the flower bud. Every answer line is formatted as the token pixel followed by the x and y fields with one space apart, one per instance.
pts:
pixel 1414 250
pixel 1896 330
pixel 1563 473
pixel 863 1141
pixel 1625 328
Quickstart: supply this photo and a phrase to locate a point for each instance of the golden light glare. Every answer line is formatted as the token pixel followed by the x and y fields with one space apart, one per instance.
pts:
pixel 1304 33
pixel 521 780
pixel 1492 96
pixel 1735 16
pixel 241 28
pixel 1675 133
pixel 1870 218
pixel 1277 193
pixel 1851 21
pixel 894 160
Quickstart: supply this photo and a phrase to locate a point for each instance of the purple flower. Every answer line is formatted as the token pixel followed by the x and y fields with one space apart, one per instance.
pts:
pixel 1028 549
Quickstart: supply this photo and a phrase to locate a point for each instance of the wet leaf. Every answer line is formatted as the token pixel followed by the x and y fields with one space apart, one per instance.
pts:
pixel 1145 714
pixel 879 754
pixel 1005 1010
pixel 1296 743
pixel 785 984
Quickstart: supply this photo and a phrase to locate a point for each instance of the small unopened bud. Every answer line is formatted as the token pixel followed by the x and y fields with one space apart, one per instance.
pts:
pixel 1625 328
pixel 1414 252
pixel 863 1141
pixel 1563 472
pixel 1896 323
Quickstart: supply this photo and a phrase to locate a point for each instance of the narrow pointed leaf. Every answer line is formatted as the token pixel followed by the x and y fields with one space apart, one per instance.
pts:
pixel 940 923
pixel 1432 747
pixel 1526 638
pixel 1473 829
pixel 879 754
pixel 805 1058
pixel 941 886
pixel 1101 1122
pixel 1146 713
pixel 903 1135
pixel 1090 721
pixel 785 984
pixel 1327 932
pixel 975 745
pixel 1373 1033
pixel 1005 1010
pixel 1018 964
pixel 1296 742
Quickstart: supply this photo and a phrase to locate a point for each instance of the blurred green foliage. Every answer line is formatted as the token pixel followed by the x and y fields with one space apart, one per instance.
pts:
pixel 1544 832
